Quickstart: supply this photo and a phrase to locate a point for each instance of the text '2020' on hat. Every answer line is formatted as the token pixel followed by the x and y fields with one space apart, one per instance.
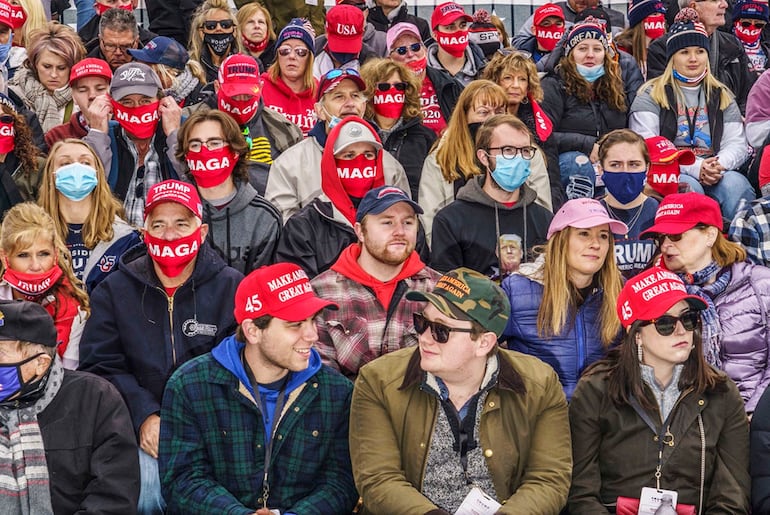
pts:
pixel 281 290
pixel 465 294
pixel 649 294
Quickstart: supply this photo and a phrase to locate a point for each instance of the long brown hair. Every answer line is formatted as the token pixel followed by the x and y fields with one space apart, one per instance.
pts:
pixel 560 296
pixel 624 375
pixel 98 226
pixel 608 88
pixel 634 40
pixel 24 147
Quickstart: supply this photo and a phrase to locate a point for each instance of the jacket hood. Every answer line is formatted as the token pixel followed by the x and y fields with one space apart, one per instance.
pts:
pixel 473 192
pixel 285 90
pixel 244 192
pixel 137 264
pixel 228 354
pixel 533 271
pixel 330 180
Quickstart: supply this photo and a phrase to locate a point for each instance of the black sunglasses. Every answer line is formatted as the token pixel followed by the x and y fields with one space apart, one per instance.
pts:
pixel 666 324
pixel 674 237
pixel 385 86
pixel 440 332
pixel 758 24
pixel 212 24
pixel 402 50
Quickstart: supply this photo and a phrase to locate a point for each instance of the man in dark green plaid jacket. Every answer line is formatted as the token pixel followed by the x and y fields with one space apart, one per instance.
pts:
pixel 259 425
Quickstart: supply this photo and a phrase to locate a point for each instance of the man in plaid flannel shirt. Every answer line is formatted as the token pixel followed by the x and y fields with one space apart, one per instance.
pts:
pixel 369 281
pixel 751 228
pixel 258 425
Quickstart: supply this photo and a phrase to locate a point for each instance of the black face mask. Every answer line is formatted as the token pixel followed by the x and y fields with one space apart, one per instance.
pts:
pixel 25 393
pixel 219 43
pixel 342 58
pixel 474 128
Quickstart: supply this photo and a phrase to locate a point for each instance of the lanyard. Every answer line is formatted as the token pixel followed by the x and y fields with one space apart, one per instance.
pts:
pixel 664 435
pixel 691 121
pixel 276 416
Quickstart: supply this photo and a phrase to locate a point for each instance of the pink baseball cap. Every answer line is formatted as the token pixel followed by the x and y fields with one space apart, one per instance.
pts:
pixel 281 290
pixel 398 30
pixel 583 213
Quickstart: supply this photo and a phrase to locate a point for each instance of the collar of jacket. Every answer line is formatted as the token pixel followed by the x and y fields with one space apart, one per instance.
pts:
pixel 507 377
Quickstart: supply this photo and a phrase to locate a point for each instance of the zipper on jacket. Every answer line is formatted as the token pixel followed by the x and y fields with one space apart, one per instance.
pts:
pixel 171 325
pixel 581 342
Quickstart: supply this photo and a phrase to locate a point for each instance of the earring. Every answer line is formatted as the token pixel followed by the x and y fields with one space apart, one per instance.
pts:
pixel 639 353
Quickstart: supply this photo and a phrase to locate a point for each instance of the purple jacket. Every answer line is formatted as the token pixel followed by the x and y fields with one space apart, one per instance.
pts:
pixel 744 308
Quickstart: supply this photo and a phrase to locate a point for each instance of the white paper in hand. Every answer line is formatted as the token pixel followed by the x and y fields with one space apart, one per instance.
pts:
pixel 478 503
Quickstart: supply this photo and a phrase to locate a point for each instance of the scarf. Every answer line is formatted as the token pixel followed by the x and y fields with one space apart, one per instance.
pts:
pixel 47 105
pixel 185 83
pixel 696 284
pixel 24 478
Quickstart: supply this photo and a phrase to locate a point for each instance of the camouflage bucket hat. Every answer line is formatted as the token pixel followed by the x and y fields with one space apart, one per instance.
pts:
pixel 468 295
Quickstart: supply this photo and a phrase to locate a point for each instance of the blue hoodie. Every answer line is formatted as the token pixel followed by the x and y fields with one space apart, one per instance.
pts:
pixel 228 354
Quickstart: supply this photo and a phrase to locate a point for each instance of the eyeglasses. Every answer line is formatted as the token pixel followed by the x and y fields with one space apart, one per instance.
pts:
pixel 385 86
pixel 402 50
pixel 666 324
pixel 299 51
pixel 212 24
pixel 440 332
pixel 509 152
pixel 112 47
pixel 195 145
pixel 757 23
pixel 7 118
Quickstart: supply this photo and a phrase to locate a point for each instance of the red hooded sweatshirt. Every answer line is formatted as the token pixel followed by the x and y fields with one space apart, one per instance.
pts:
pixel 298 108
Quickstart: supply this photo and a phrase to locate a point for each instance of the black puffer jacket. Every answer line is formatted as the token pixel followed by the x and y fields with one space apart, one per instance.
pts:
pixel 732 64
pixel 410 144
pixel 447 90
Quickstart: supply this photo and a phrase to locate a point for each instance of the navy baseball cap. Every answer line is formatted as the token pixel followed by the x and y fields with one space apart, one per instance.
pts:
pixel 379 199
pixel 162 50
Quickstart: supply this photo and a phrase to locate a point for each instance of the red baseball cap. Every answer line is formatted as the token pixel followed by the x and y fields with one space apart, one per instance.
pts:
pixel 680 212
pixel 174 191
pixel 332 79
pixel 663 151
pixel 90 67
pixel 649 294
pixel 6 17
pixel 281 290
pixel 239 75
pixel 447 13
pixel 345 29
pixel 546 11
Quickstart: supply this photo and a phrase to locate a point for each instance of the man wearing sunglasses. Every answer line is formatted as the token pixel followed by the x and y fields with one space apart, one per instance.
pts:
pixel 369 281
pixel 467 231
pixel 750 20
pixel 295 177
pixel 458 418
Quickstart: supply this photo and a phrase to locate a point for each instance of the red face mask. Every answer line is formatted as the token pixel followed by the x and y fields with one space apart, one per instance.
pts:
pixel 547 37
pixel 254 46
pixel 173 256
pixel 389 104
pixel 418 67
pixel 32 286
pixel 211 167
pixel 7 137
pixel 102 8
pixel 453 43
pixel 140 121
pixel 356 175
pixel 655 25
pixel 18 16
pixel 664 178
pixel 241 110
pixel 749 35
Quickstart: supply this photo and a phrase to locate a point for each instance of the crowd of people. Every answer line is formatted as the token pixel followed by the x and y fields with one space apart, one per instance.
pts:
pixel 270 257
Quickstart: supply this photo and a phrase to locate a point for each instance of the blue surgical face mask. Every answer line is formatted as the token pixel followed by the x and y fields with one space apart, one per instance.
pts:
pixel 5 50
pixel 76 181
pixel 333 120
pixel 689 81
pixel 590 73
pixel 624 186
pixel 510 174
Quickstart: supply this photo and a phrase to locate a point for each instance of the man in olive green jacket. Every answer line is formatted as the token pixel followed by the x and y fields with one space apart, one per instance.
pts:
pixel 430 424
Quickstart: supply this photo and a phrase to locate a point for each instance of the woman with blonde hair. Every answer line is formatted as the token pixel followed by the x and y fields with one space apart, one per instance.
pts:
pixel 43 83
pixel 86 215
pixel 517 74
pixel 690 107
pixel 452 162
pixel 288 85
pixel 394 105
pixel 585 98
pixel 214 35
pixel 257 33
pixel 563 304
pixel 35 266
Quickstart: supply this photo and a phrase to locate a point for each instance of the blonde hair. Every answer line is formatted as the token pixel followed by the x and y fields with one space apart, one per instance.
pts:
pixel 379 70
pixel 196 28
pixel 22 226
pixel 308 81
pixel 104 208
pixel 710 84
pixel 514 62
pixel 456 151
pixel 35 20
pixel 560 295
pixel 248 10
pixel 167 76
